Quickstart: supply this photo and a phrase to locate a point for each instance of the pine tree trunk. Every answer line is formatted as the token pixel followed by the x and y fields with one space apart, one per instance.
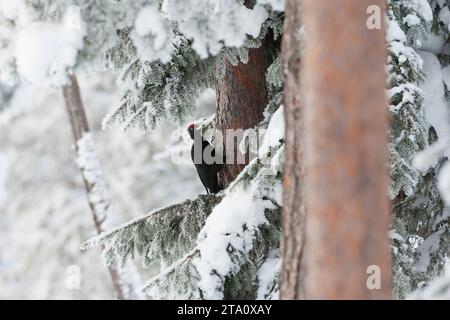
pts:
pixel 241 99
pixel 80 128
pixel 293 199
pixel 336 159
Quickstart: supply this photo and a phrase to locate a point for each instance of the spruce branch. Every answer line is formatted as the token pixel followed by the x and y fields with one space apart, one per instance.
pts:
pixel 166 233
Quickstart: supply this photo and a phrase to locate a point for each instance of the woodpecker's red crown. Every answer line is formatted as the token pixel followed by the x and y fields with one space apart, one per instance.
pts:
pixel 192 126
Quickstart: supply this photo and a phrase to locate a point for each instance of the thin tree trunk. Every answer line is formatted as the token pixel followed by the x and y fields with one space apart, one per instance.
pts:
pixel 241 99
pixel 336 249
pixel 93 181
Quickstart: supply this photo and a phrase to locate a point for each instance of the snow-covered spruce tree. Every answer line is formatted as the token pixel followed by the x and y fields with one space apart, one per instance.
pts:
pixel 417 32
pixel 215 246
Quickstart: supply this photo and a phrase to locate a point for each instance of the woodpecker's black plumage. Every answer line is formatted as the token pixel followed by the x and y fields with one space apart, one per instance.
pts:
pixel 207 170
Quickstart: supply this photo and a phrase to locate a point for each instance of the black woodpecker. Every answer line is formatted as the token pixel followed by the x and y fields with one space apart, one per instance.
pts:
pixel 205 163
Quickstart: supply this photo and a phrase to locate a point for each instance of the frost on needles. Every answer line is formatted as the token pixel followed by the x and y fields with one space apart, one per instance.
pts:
pixel 158 89
pixel 164 53
pixel 416 33
pixel 215 246
pixel 245 260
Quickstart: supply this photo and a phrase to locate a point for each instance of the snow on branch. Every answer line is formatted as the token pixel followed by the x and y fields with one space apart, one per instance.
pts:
pixel 88 163
pixel 164 233
pixel 223 246
pixel 438 289
pixel 235 245
pixel 213 24
pixel 232 247
pixel 44 51
pixel 179 281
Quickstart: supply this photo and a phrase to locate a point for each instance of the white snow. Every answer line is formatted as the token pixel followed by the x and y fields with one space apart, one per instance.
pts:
pixel 213 24
pixel 3 177
pixel 46 51
pixel 435 105
pixel 432 43
pixel 267 275
pixel 395 236
pixel 446 76
pixel 277 5
pixel 437 115
pixel 426 248
pixel 88 162
pixel 411 20
pixel 444 16
pixel 251 21
pixel 274 133
pixel 429 157
pixel 394 32
pixel 420 11
pixel 422 7
pixel 152 36
pixel 444 181
pixel 10 8
pixel 224 228
pixel 439 289
pixel 408 90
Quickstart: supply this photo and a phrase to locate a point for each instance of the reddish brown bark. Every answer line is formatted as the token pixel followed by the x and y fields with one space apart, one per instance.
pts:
pixel 241 99
pixel 345 180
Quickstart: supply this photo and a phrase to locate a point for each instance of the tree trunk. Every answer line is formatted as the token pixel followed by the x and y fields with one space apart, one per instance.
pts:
pixel 341 177
pixel 98 201
pixel 241 99
pixel 293 199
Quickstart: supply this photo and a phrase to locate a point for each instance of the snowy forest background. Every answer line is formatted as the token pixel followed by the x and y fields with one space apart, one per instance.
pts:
pixel 148 68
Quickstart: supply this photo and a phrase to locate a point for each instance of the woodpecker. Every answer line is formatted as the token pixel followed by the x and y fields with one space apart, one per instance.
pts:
pixel 203 157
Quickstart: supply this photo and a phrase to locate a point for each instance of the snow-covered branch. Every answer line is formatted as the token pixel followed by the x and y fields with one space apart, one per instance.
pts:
pixel 164 233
